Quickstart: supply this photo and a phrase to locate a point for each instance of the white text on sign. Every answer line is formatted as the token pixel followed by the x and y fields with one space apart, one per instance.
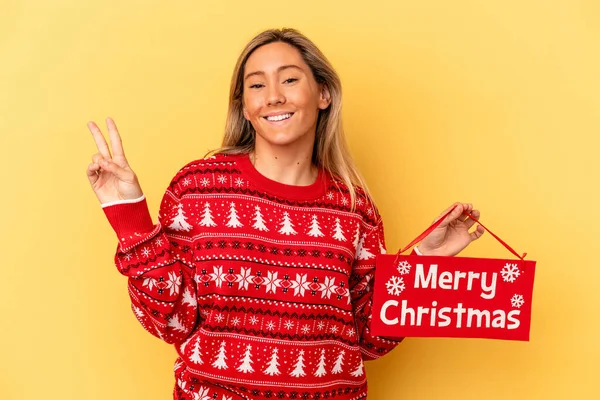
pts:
pixel 450 281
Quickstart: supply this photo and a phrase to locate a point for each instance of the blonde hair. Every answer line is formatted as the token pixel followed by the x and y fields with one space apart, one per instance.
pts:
pixel 330 150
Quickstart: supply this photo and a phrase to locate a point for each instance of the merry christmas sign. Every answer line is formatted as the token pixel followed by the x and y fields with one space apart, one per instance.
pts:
pixel 431 296
pixel 434 296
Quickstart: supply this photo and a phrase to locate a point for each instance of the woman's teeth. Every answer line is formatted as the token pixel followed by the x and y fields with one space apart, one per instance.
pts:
pixel 279 117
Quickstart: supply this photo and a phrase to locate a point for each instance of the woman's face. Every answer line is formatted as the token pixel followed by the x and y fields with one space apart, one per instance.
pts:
pixel 281 97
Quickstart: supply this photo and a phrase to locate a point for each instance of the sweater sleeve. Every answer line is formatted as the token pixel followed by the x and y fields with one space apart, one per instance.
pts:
pixel 361 292
pixel 158 262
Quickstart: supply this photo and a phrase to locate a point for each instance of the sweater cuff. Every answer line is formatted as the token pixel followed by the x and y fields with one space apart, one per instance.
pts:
pixel 112 203
pixel 128 219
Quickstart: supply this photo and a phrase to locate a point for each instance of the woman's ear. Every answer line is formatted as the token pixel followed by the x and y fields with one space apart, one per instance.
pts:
pixel 324 97
pixel 245 113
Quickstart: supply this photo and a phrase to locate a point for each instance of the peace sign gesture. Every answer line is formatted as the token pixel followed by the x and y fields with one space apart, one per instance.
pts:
pixel 111 177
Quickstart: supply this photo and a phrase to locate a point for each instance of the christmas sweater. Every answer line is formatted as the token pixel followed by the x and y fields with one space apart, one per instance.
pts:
pixel 265 289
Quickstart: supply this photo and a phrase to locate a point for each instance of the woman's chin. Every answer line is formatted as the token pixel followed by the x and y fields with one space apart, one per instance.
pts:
pixel 280 138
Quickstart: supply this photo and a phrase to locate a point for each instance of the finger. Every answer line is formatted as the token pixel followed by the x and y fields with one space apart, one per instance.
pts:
pixel 115 139
pixel 455 214
pixel 92 172
pixel 444 212
pixel 476 234
pixel 99 139
pixel 110 166
pixel 467 208
pixel 471 221
pixel 96 158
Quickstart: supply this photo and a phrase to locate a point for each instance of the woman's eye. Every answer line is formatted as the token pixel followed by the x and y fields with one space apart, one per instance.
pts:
pixel 256 86
pixel 290 80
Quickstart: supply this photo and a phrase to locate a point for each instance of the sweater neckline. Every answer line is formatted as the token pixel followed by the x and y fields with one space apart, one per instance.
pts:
pixel 295 192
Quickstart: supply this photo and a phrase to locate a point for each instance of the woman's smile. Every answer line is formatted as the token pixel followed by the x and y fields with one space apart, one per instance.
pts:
pixel 279 119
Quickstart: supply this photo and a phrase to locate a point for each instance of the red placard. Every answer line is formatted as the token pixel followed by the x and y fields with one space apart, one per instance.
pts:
pixel 436 296
pixel 432 296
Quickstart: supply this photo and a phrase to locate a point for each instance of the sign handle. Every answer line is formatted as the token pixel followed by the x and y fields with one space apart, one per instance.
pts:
pixel 440 220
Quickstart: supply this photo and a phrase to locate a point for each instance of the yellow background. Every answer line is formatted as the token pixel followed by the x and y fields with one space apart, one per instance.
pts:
pixel 491 102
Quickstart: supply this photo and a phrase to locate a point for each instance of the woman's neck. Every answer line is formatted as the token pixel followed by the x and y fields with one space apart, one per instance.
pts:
pixel 291 167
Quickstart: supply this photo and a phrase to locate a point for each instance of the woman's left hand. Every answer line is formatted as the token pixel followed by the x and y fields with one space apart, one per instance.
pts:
pixel 452 235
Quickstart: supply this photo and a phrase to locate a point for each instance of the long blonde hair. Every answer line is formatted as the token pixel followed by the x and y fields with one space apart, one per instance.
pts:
pixel 330 150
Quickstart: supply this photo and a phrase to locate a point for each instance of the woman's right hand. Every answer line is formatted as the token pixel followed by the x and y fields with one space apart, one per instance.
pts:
pixel 111 177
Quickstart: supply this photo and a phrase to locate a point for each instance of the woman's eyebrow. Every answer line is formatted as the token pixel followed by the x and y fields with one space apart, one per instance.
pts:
pixel 278 70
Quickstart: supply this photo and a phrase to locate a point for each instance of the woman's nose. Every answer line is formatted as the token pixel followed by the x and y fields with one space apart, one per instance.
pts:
pixel 275 95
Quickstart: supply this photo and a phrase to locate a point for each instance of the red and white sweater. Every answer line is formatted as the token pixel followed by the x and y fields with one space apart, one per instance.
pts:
pixel 264 288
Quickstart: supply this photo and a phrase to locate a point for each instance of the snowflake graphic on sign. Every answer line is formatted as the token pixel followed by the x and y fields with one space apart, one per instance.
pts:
pixel 510 272
pixel 517 300
pixel 395 285
pixel 404 267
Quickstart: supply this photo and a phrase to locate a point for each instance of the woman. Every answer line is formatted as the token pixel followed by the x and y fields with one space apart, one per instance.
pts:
pixel 261 266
